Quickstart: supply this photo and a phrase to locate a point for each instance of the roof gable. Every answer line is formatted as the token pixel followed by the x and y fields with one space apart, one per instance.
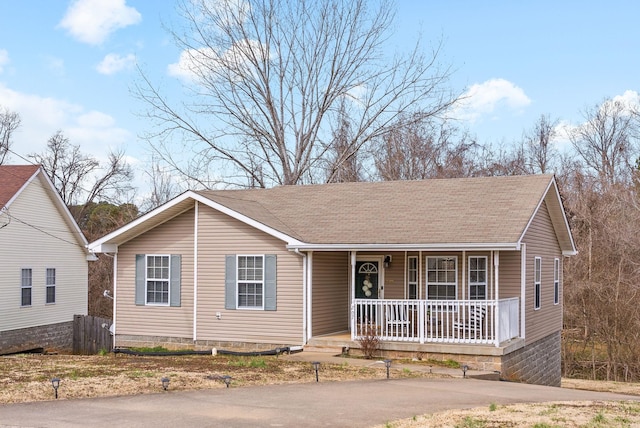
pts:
pixel 13 178
pixel 489 212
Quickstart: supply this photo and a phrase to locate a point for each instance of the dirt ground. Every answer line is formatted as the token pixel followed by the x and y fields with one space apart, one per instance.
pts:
pixel 27 377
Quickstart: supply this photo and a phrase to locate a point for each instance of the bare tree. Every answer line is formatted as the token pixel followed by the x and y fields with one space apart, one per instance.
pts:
pixel 607 140
pixel 79 178
pixel 539 145
pixel 343 165
pixel 162 184
pixel 267 79
pixel 424 148
pixel 9 122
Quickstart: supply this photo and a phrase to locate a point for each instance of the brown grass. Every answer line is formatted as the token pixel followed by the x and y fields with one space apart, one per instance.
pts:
pixel 27 377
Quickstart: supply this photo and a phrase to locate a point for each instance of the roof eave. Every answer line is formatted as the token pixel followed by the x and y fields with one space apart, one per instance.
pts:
pixel 110 242
pixel 485 246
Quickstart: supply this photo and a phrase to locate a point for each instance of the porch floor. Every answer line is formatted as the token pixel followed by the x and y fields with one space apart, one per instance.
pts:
pixel 334 342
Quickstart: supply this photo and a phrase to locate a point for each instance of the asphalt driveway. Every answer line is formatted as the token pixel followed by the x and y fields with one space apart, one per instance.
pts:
pixel 343 404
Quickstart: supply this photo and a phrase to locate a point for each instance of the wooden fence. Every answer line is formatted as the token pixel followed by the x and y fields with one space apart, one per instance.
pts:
pixel 91 334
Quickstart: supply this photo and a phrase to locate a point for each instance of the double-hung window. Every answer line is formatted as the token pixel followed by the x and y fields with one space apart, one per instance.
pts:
pixel 412 277
pixel 51 285
pixel 477 278
pixel 157 279
pixel 442 278
pixel 250 282
pixel 26 283
pixel 537 282
pixel 556 281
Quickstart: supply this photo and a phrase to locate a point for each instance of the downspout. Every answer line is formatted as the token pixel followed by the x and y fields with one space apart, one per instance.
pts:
pixel 115 296
pixel 496 267
pixel 195 273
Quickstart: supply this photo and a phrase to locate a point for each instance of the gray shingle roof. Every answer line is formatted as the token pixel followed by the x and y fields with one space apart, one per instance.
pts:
pixel 460 211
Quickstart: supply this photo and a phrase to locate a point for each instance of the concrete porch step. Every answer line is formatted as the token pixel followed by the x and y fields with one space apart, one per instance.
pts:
pixel 333 350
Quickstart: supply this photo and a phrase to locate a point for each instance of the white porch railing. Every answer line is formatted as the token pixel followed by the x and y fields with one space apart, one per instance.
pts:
pixel 442 321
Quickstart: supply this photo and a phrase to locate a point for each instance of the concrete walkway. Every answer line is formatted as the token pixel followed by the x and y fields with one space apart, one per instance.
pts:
pixel 336 404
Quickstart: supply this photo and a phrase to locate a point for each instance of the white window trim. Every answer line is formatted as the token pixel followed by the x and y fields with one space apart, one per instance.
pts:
pixel 416 283
pixel 249 308
pixel 30 287
pixel 537 283
pixel 486 276
pixel 556 281
pixel 147 279
pixel 47 285
pixel 455 283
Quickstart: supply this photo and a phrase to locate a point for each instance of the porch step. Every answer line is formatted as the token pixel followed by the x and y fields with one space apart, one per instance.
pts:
pixel 333 350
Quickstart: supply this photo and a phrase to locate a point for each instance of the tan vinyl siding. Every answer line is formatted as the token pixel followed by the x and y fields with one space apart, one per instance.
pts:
pixel 39 238
pixel 330 293
pixel 394 276
pixel 541 242
pixel 173 237
pixel 509 275
pixel 219 235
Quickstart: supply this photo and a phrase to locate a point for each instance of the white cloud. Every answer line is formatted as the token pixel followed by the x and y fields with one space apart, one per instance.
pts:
pixel 94 131
pixel 629 99
pixel 483 99
pixel 4 59
pixel 92 21
pixel 195 62
pixel 113 63
pixel 190 60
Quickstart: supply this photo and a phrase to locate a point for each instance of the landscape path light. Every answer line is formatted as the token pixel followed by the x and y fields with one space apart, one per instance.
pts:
pixel 316 366
pixel 387 364
pixel 55 383
pixel 165 383
pixel 227 380
pixel 464 370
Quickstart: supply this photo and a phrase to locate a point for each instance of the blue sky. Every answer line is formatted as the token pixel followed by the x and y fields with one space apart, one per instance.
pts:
pixel 69 65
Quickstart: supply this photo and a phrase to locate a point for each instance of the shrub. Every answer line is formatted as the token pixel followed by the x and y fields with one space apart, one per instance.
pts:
pixel 369 342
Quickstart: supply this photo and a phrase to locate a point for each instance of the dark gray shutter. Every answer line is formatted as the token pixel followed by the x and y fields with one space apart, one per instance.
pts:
pixel 270 273
pixel 174 281
pixel 230 282
pixel 140 276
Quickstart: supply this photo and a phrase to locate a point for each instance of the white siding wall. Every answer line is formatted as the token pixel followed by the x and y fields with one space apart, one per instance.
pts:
pixel 40 240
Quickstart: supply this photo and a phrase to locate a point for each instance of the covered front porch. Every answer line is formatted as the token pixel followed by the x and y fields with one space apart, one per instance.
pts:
pixel 436 321
pixel 447 298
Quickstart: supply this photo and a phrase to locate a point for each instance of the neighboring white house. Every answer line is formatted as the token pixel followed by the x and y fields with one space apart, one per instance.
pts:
pixel 43 263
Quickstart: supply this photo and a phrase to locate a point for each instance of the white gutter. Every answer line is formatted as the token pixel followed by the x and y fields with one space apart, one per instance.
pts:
pixel 497 246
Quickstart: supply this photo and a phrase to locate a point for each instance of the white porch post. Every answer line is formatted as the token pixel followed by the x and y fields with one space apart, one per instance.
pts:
pixel 308 263
pixel 464 271
pixel 352 314
pixel 523 287
pixel 496 314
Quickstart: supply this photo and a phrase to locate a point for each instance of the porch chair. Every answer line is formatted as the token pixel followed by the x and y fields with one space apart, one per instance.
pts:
pixel 397 321
pixel 471 323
